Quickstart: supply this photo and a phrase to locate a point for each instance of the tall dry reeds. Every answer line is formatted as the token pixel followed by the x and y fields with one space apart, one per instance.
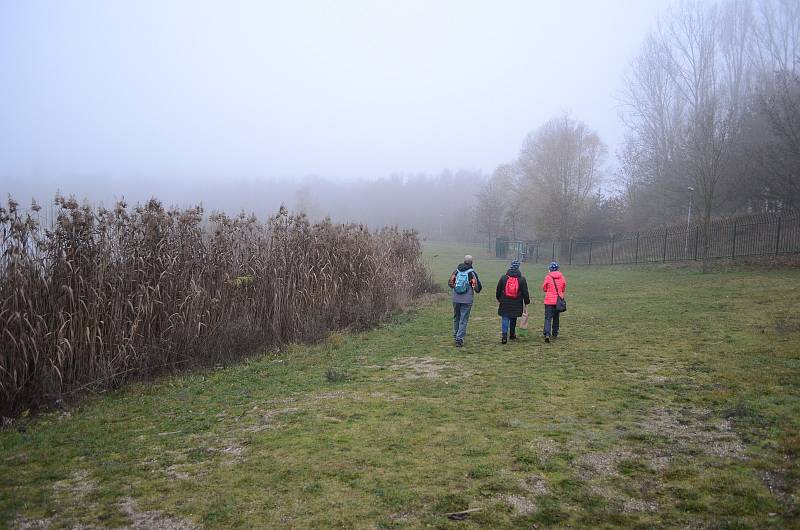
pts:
pixel 107 295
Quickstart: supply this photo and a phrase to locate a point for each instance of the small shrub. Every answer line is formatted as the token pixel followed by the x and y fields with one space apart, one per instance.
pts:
pixel 332 375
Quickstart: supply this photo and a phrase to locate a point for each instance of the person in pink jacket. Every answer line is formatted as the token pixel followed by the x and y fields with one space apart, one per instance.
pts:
pixel 553 285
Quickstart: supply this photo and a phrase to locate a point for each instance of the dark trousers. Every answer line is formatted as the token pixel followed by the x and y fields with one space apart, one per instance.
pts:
pixel 550 316
pixel 509 322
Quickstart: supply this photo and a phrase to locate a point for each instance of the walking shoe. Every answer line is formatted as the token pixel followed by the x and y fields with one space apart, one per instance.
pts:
pixel 547 339
pixel 459 343
pixel 513 336
pixel 504 339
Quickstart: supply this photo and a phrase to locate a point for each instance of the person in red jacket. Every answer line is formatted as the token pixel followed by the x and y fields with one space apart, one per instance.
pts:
pixel 553 285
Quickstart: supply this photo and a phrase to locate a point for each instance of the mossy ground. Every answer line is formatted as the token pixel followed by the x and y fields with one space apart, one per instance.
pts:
pixel 671 399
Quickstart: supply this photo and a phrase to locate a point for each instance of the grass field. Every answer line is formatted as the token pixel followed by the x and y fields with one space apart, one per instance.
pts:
pixel 671 399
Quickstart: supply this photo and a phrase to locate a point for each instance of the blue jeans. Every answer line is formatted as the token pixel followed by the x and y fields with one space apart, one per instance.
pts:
pixel 550 314
pixel 509 321
pixel 460 319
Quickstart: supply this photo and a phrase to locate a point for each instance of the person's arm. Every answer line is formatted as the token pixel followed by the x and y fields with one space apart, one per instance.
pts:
pixel 563 286
pixel 525 295
pixel 452 281
pixel 477 287
pixel 546 284
pixel 499 291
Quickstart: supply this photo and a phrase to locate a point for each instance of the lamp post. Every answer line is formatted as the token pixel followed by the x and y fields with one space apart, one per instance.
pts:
pixel 688 222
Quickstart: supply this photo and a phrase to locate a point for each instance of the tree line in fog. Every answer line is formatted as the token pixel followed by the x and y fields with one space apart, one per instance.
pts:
pixel 711 108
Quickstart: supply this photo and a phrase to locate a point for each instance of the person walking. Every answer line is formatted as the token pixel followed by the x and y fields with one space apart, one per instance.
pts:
pixel 554 286
pixel 511 294
pixel 465 283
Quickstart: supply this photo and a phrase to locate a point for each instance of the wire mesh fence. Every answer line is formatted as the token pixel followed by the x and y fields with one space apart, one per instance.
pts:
pixel 758 235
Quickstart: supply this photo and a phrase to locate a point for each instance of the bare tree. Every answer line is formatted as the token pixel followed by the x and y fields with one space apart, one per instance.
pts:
pixel 654 114
pixel 704 65
pixel 775 46
pixel 491 203
pixel 772 138
pixel 771 143
pixel 560 166
pixel 685 100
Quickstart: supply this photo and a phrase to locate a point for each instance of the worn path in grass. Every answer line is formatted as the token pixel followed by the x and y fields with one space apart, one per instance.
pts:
pixel 672 399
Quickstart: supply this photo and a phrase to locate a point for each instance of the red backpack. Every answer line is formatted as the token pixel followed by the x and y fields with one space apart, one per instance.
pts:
pixel 512 287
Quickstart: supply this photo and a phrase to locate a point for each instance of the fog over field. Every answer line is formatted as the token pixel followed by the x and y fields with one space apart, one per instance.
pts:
pixel 201 101
pixel 407 113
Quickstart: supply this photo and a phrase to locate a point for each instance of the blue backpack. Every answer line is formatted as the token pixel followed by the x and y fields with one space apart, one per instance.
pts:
pixel 462 282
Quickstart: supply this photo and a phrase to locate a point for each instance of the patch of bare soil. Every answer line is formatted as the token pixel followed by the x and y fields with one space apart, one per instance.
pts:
pixel 602 464
pixel 22 523
pixel 77 487
pixel 419 367
pixel 545 448
pixel 153 520
pixel 535 485
pixel 658 461
pixel 521 505
pixel 693 430
pixel 604 492
pixel 178 471
pixel 780 488
pixel 425 368
pixel 622 502
pixel 402 517
pixel 638 505
pixel 268 418
pixel 658 374
pixel 233 453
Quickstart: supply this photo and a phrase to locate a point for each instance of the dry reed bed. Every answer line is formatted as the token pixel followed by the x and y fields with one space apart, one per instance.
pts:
pixel 107 295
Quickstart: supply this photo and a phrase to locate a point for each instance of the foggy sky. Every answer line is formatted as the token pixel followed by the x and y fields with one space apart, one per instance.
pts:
pixel 171 91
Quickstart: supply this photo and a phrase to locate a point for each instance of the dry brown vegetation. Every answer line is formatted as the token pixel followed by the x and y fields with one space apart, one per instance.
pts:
pixel 106 295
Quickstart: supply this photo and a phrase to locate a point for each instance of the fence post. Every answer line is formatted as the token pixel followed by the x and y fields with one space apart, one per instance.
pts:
pixel 554 251
pixel 570 250
pixel 636 255
pixel 590 252
pixel 664 255
pixel 612 249
pixel 733 251
pixel 696 238
pixel 537 252
pixel 778 237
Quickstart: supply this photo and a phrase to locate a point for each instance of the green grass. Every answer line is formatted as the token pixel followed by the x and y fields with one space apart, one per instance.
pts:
pixel 672 399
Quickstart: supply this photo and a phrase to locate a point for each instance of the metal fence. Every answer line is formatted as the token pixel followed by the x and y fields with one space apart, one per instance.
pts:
pixel 759 235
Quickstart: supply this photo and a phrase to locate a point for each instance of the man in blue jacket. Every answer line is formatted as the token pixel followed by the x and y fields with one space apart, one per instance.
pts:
pixel 465 283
